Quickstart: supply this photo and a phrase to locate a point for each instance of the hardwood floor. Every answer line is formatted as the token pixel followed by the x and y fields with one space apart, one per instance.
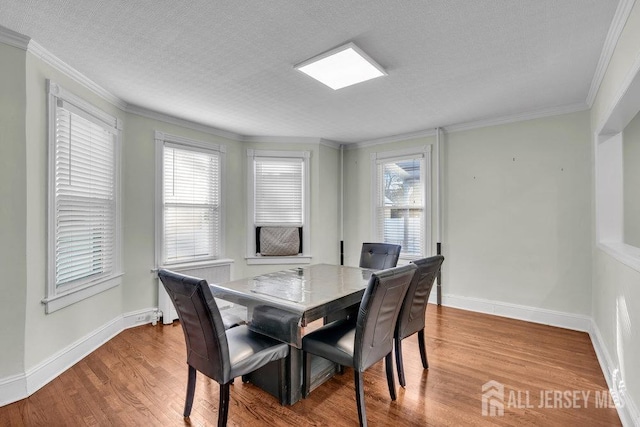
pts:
pixel 139 378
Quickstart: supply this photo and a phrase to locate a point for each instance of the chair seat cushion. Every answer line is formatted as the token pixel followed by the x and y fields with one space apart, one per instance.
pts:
pixel 334 341
pixel 249 351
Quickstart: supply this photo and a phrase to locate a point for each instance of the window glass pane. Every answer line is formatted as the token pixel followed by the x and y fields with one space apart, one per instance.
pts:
pixel 191 187
pixel 85 207
pixel 401 210
pixel 278 192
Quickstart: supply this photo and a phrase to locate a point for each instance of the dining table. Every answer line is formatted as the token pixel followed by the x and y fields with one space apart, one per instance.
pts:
pixel 281 305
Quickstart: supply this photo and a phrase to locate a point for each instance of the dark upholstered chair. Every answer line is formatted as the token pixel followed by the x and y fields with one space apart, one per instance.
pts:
pixel 360 342
pixel 375 256
pixel 220 354
pixel 412 313
pixel 379 256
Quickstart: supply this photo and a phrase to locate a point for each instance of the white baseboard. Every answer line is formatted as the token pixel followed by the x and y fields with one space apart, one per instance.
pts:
pixel 560 319
pixel 13 388
pixel 20 386
pixel 628 410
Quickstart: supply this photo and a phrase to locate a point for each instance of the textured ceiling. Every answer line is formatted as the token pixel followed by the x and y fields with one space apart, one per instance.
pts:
pixel 229 64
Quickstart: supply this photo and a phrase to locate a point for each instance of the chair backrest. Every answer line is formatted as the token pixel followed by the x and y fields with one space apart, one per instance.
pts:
pixel 412 313
pixel 379 256
pixel 204 333
pixel 378 314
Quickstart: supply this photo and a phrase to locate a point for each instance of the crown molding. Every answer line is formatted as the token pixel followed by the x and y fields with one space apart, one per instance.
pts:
pixel 389 139
pixel 47 57
pixel 532 115
pixel 331 144
pixel 281 139
pixel 292 140
pixel 538 114
pixel 13 38
pixel 155 115
pixel 615 30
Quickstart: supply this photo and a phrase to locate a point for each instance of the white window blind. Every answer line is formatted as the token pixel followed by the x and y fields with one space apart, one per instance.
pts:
pixel 84 198
pixel 401 204
pixel 279 191
pixel 191 204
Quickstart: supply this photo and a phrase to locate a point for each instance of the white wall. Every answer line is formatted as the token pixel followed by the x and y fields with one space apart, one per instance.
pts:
pixel 517 227
pixel 616 287
pixel 13 261
pixel 516 212
pixel 631 179
pixel 47 334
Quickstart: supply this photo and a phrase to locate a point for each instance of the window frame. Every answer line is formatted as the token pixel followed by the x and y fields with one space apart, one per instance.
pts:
pixel 305 256
pixel 389 156
pixel 161 139
pixel 79 289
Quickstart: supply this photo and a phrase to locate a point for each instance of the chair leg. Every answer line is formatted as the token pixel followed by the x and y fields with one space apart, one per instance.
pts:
pixel 191 389
pixel 423 349
pixel 388 364
pixel 306 374
pixel 223 407
pixel 399 363
pixel 362 415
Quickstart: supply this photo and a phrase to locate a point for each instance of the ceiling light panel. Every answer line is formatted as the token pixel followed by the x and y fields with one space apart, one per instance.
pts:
pixel 342 67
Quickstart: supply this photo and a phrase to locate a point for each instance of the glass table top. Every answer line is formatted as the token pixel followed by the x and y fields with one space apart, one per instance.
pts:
pixel 279 303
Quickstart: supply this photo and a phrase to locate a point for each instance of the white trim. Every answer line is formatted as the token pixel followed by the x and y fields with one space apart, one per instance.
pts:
pixel 63 299
pixel 193 265
pixel 278 154
pixel 13 38
pixel 398 154
pixel 57 91
pixel 576 322
pixel 188 142
pixel 20 386
pixel 514 118
pixel 50 59
pixel 615 30
pixel 627 254
pixel 628 411
pixel 389 139
pixel 13 388
pixel 291 140
pixel 165 118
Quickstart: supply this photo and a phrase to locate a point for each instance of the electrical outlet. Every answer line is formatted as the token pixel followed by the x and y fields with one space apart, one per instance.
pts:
pixel 142 317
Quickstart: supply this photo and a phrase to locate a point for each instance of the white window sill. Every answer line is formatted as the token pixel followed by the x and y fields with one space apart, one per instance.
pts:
pixel 626 254
pixel 72 296
pixel 178 267
pixel 278 260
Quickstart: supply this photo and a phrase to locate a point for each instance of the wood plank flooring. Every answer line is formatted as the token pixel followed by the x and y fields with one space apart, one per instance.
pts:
pixel 139 378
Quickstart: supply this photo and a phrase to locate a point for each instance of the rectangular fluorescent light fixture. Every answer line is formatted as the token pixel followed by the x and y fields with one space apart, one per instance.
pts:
pixel 341 67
